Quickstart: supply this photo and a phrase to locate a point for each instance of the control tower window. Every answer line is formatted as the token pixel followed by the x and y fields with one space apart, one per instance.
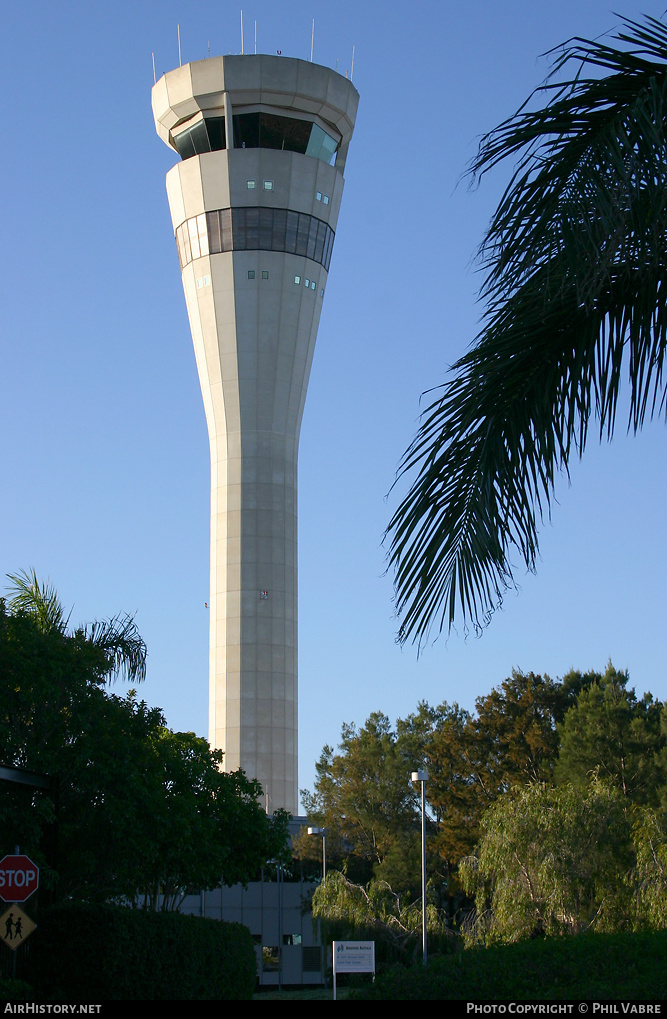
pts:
pixel 321 145
pixel 206 135
pixel 254 228
pixel 269 131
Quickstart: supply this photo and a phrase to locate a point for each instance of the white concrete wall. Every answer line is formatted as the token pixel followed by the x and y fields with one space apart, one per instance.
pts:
pixel 254 341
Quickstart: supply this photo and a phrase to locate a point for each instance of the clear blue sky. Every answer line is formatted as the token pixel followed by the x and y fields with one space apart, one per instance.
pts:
pixel 105 451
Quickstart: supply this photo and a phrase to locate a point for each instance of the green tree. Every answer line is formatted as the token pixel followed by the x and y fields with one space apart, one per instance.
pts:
pixel 649 878
pixel 575 276
pixel 515 731
pixel 364 799
pixel 439 739
pixel 609 732
pixel 472 759
pixel 551 861
pixel 122 651
pixel 348 911
pixel 51 678
pixel 143 810
pixel 147 813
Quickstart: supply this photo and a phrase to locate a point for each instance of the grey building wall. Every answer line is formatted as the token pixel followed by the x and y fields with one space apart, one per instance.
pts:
pixel 287 945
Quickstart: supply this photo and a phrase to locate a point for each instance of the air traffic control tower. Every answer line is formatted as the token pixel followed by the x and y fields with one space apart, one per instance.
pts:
pixel 254 203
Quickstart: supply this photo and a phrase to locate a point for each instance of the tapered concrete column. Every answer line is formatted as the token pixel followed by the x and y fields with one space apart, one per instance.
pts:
pixel 254 220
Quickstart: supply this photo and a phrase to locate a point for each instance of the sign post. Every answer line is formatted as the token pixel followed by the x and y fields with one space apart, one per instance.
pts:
pixel 353 957
pixel 19 879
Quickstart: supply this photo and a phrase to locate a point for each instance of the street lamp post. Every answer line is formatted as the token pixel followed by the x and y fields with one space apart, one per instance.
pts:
pixel 279 879
pixel 323 833
pixel 422 776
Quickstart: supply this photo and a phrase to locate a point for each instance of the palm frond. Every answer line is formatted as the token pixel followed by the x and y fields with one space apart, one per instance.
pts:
pixel 123 646
pixel 575 263
pixel 38 598
pixel 118 638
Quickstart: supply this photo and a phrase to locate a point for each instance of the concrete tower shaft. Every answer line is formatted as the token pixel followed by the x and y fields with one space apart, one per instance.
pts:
pixel 254 204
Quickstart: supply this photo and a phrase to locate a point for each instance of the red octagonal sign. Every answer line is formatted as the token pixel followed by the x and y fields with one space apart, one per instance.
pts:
pixel 19 878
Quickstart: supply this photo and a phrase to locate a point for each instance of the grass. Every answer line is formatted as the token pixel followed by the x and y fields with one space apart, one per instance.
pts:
pixel 307 994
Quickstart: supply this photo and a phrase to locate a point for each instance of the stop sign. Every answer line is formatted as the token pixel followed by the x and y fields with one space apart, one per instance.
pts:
pixel 19 878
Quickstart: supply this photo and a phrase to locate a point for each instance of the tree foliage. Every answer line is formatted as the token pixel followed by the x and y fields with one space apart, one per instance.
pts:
pixel 612 734
pixel 142 810
pixel 147 813
pixel 375 912
pixel 575 278
pixel 472 759
pixel 551 861
pixel 649 878
pixel 122 651
pixel 548 804
pixel 364 799
pixel 439 740
pixel 515 731
pixel 588 851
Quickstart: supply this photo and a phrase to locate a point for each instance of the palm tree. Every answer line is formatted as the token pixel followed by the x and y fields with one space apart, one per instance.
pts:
pixel 118 639
pixel 575 264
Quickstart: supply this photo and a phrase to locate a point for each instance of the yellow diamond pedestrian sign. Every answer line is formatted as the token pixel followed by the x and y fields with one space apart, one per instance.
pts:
pixel 15 927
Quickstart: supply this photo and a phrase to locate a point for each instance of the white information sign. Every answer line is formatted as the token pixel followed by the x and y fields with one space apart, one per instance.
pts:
pixel 353 957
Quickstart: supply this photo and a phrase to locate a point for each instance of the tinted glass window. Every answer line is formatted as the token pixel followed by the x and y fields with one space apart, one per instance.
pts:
pixel 321 145
pixel 302 235
pixel 184 145
pixel 265 229
pixel 283 133
pixel 226 229
pixel 216 133
pixel 206 136
pixel 321 237
pixel 278 229
pixel 254 229
pixel 246 130
pixel 290 234
pixel 255 131
pixel 213 224
pixel 270 131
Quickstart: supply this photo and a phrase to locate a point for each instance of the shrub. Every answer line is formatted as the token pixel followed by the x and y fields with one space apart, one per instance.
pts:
pixel 580 967
pixel 16 990
pixel 116 953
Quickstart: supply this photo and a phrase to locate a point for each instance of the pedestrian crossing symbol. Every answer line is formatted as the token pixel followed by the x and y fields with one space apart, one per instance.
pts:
pixel 15 927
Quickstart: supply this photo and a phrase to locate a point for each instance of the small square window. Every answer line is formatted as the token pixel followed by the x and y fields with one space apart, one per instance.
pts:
pixel 270 958
pixel 312 285
pixel 207 281
pixel 250 184
pixel 307 282
pixel 251 274
pixel 297 279
pixel 265 274
pixel 322 292
pixel 200 283
pixel 312 958
pixel 326 199
pixel 268 185
pixel 319 196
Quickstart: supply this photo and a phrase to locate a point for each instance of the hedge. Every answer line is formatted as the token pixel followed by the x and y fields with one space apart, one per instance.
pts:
pixel 113 953
pixel 580 967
